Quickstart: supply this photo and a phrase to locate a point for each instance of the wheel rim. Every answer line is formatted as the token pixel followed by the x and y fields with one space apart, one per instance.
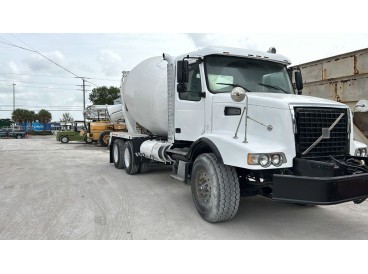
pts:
pixel 63 139
pixel 106 139
pixel 18 136
pixel 127 157
pixel 203 187
pixel 116 153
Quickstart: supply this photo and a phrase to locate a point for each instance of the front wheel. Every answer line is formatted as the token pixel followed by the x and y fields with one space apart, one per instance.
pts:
pixel 130 163
pixel 215 189
pixel 104 138
pixel 64 139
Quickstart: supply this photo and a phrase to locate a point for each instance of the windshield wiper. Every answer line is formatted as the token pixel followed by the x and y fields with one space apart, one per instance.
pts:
pixel 234 85
pixel 271 86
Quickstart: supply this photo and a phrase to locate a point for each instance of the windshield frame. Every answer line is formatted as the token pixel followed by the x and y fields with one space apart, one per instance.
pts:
pixel 292 91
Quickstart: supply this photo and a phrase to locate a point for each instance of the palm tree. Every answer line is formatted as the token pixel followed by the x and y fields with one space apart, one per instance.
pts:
pixel 45 117
pixel 19 115
pixel 30 118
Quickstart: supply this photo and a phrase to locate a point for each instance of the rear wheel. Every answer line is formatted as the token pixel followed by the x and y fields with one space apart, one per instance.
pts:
pixel 104 138
pixel 144 167
pixel 215 189
pixel 130 163
pixel 118 154
pixel 64 139
pixel 18 136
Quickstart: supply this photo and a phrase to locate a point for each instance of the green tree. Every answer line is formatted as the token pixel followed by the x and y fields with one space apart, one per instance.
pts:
pixel 30 117
pixel 44 116
pixel 104 95
pixel 19 115
pixel 67 117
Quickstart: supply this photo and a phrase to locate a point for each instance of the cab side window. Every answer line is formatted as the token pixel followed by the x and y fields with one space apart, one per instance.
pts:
pixel 194 86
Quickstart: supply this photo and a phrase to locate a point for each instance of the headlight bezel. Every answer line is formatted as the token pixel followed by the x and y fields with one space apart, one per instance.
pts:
pixel 255 159
pixel 361 152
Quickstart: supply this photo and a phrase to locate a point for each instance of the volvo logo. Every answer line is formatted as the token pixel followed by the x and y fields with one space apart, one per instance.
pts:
pixel 325 134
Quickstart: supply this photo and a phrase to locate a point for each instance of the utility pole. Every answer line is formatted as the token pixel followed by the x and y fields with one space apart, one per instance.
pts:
pixel 84 93
pixel 13 97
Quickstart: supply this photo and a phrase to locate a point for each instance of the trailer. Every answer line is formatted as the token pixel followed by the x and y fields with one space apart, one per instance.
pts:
pixel 341 78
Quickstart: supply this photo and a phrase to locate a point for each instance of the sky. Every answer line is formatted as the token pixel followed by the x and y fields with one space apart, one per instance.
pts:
pixel 100 39
pixel 40 83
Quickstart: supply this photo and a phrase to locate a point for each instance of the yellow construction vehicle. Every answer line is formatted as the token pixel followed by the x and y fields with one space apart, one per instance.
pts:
pixel 101 120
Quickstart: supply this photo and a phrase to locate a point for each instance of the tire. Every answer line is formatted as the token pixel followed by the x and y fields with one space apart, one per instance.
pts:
pixel 130 165
pixel 18 136
pixel 104 138
pixel 304 205
pixel 144 167
pixel 64 139
pixel 117 152
pixel 215 189
pixel 89 140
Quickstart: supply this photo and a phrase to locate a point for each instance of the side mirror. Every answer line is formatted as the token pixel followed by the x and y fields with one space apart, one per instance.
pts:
pixel 182 71
pixel 181 87
pixel 298 81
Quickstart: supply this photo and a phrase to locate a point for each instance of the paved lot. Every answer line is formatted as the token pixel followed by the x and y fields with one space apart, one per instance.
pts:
pixel 50 190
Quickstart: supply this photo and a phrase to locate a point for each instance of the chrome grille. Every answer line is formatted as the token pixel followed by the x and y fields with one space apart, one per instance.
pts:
pixel 310 121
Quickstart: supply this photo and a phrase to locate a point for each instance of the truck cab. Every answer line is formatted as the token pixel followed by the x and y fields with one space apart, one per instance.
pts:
pixel 240 110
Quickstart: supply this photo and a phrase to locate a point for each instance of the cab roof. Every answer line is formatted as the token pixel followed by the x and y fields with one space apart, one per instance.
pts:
pixel 237 52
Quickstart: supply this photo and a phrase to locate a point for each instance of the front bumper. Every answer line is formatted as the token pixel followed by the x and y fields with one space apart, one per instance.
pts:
pixel 320 190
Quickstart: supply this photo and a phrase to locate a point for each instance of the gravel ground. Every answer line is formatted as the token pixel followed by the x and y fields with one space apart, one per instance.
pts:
pixel 50 190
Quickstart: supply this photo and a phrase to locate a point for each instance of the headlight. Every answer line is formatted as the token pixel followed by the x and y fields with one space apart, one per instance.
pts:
pixel 361 152
pixel 276 160
pixel 266 159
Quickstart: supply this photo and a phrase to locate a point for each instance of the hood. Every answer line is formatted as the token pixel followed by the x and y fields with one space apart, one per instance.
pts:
pixel 280 101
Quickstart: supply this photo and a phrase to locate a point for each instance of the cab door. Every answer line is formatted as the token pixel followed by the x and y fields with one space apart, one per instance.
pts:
pixel 189 107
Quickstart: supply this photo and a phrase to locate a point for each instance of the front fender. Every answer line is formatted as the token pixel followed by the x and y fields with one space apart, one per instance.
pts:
pixel 234 152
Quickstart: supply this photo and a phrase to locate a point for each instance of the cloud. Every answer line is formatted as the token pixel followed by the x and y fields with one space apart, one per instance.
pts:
pixel 13 67
pixel 111 62
pixel 37 63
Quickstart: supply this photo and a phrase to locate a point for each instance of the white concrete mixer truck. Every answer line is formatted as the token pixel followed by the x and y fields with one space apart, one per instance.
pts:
pixel 230 124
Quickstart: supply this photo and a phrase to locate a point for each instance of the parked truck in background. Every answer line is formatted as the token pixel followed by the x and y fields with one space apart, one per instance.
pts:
pixel 76 132
pixel 99 121
pixel 12 133
pixel 230 124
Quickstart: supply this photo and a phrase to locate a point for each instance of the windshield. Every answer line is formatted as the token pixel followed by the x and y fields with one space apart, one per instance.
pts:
pixel 223 72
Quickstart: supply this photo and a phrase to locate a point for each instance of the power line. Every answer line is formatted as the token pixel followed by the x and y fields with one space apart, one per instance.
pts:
pixel 40 106
pixel 40 87
pixel 47 100
pixel 35 51
pixel 71 110
pixel 37 75
pixel 55 76
pixel 5 80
